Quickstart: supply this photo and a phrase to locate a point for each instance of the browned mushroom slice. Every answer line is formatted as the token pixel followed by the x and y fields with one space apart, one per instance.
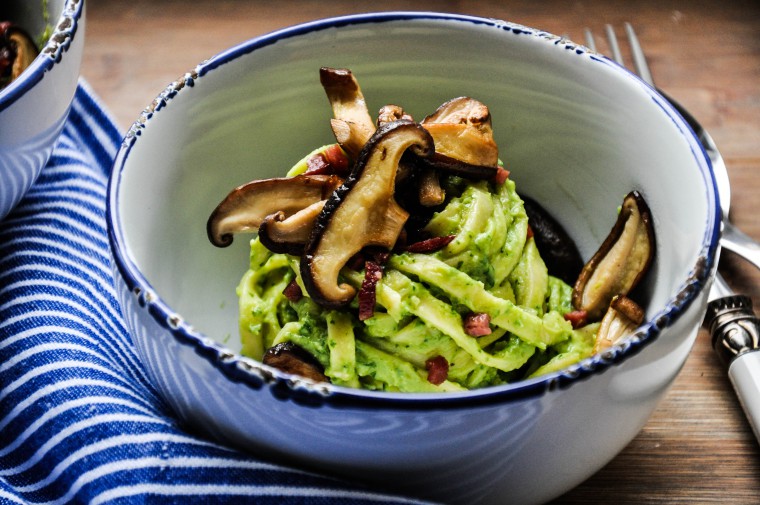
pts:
pixel 621 319
pixel 349 135
pixel 441 163
pixel 362 212
pixel 352 124
pixel 17 50
pixel 246 207
pixel 621 261
pixel 557 248
pixel 462 110
pixel 390 113
pixel 293 359
pixel 288 235
pixel 26 51
pixel 430 193
pixel 462 130
pixel 464 143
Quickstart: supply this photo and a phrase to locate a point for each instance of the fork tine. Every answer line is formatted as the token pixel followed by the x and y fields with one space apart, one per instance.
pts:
pixel 590 43
pixel 612 41
pixel 639 60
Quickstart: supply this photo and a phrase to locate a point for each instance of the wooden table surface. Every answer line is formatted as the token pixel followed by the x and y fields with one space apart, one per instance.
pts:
pixel 698 446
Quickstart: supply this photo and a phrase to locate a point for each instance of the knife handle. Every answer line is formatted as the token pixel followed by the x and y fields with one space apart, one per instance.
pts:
pixel 735 334
pixel 744 373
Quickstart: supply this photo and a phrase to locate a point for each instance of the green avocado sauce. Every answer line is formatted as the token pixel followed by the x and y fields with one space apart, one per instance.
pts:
pixel 492 267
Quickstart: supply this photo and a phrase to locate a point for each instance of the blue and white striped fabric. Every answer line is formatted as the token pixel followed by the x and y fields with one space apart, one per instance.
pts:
pixel 79 421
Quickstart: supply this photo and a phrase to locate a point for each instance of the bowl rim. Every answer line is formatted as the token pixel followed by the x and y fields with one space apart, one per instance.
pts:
pixel 65 30
pixel 238 368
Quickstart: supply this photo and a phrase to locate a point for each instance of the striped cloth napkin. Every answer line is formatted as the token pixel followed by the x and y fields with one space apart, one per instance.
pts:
pixel 79 420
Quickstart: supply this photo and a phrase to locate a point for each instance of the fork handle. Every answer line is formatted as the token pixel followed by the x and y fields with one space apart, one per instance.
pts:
pixel 738 242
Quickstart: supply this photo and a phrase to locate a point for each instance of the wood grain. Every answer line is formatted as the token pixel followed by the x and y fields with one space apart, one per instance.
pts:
pixel 697 447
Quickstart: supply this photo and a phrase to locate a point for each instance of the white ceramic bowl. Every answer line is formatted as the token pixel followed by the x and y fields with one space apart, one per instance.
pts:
pixel 577 132
pixel 34 107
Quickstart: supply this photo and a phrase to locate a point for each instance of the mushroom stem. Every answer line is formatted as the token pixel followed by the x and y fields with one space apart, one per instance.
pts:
pixel 621 319
pixel 354 126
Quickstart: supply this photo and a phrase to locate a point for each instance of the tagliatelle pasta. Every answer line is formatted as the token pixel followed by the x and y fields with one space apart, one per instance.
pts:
pixel 403 259
pixel 492 267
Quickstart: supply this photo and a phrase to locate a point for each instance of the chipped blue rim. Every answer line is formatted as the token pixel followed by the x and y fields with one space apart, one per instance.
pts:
pixel 287 387
pixel 64 31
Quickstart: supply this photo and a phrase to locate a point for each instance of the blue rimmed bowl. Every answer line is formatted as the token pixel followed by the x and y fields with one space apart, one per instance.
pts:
pixel 577 132
pixel 34 106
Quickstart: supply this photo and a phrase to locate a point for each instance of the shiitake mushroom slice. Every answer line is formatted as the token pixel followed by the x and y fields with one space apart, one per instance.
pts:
pixel 621 261
pixel 429 192
pixel 462 130
pixel 246 207
pixel 17 51
pixel 621 319
pixel 557 248
pixel 293 359
pixel 352 125
pixel 362 212
pixel 289 235
pixel 390 113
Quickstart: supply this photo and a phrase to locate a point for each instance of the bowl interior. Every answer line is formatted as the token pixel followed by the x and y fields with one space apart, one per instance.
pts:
pixel 576 131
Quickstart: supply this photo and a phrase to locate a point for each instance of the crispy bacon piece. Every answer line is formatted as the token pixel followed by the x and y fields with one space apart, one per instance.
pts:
pixel 337 160
pixel 430 245
pixel 331 161
pixel 293 291
pixel 501 176
pixel 373 272
pixel 317 165
pixel 577 318
pixel 477 324
pixel 438 370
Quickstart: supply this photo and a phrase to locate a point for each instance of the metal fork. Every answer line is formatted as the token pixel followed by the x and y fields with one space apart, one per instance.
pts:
pixel 732 238
pixel 734 328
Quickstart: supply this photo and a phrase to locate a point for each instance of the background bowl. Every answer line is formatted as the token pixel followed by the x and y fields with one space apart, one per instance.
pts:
pixel 577 132
pixel 34 107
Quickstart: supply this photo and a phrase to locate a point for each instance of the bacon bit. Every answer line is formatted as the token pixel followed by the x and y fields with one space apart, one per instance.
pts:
pixel 430 245
pixel 438 370
pixel 477 324
pixel 367 294
pixel 530 232
pixel 337 160
pixel 331 161
pixel 501 176
pixel 293 291
pixel 317 165
pixel 577 318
